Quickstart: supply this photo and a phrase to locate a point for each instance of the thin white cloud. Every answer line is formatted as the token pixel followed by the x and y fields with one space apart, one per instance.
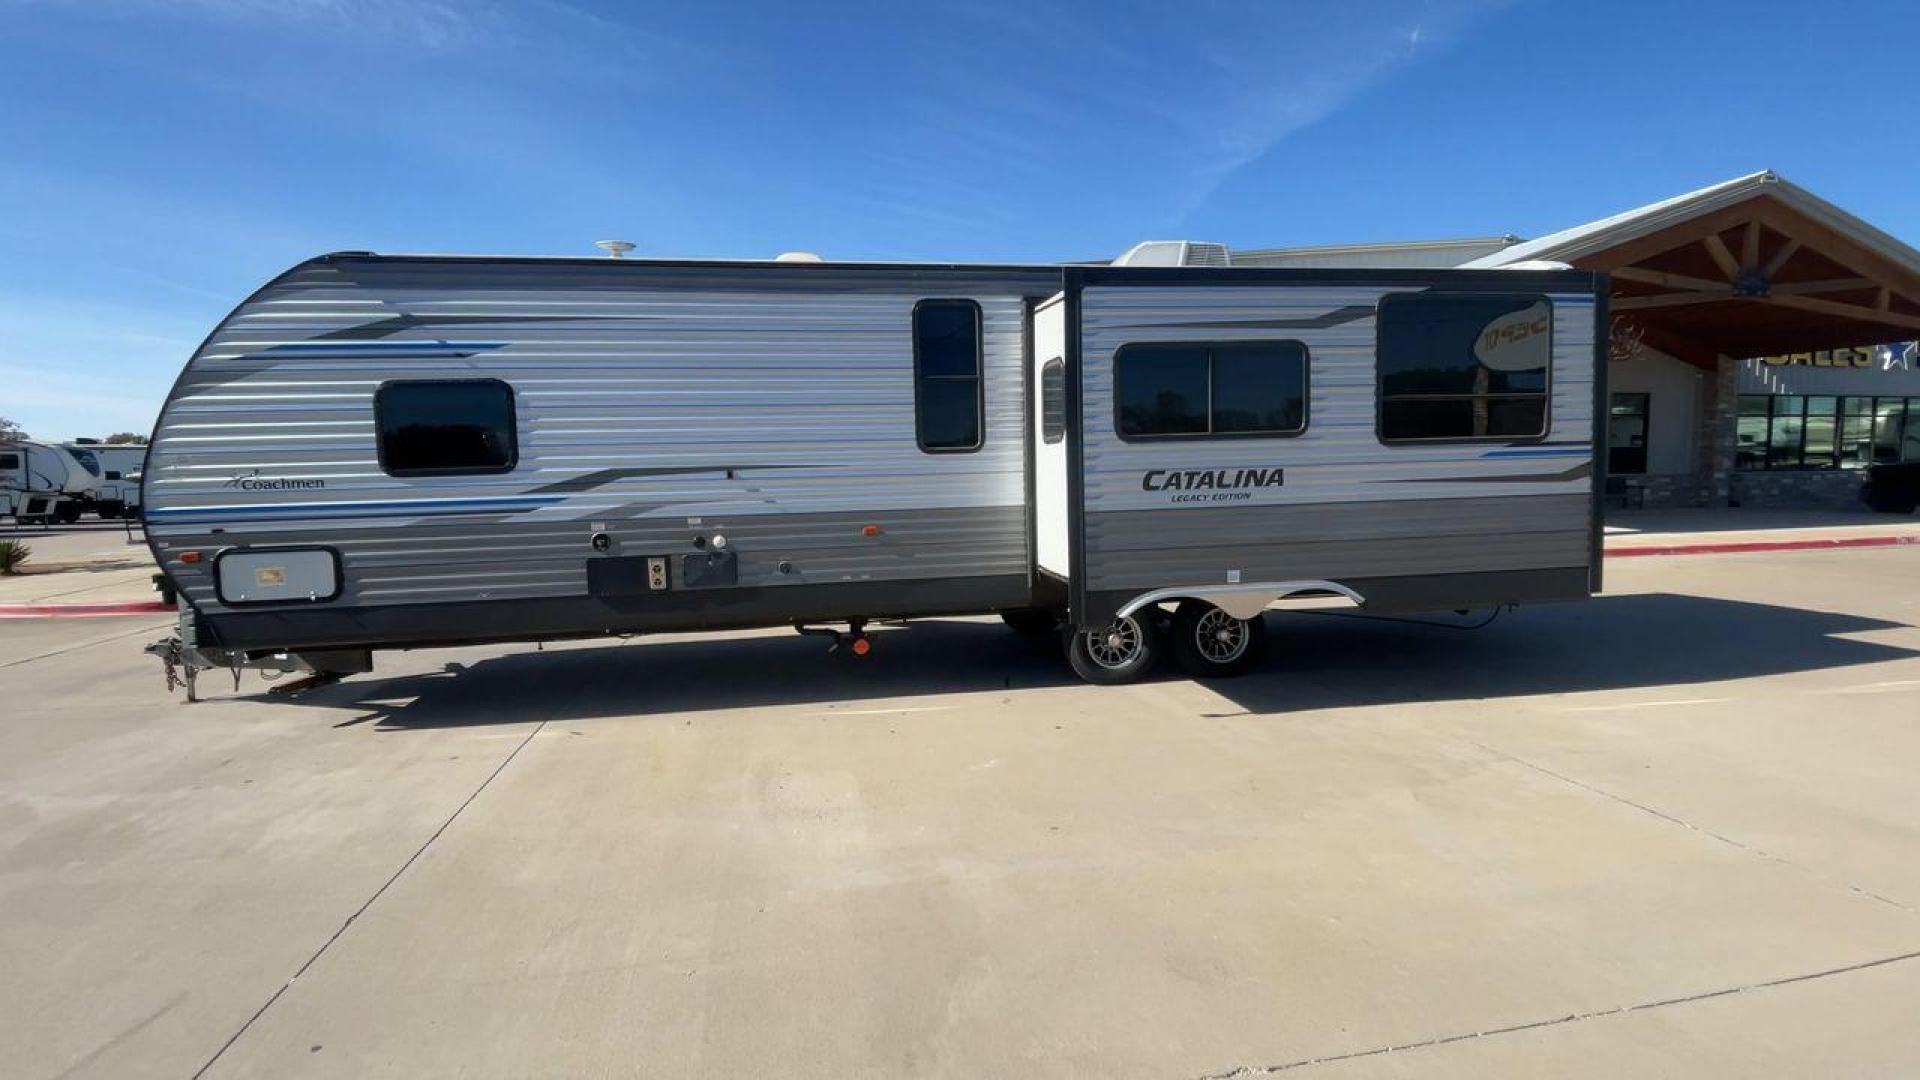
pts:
pixel 88 369
pixel 417 23
pixel 1165 104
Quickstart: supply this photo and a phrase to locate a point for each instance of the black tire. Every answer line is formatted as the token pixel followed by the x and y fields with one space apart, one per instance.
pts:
pixel 1121 652
pixel 1031 622
pixel 67 513
pixel 1210 644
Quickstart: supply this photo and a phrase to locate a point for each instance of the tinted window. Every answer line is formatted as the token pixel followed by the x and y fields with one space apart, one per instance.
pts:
pixel 1240 388
pixel 87 460
pixel 434 426
pixel 1053 401
pixel 9 461
pixel 946 368
pixel 1161 389
pixel 1260 387
pixel 1463 367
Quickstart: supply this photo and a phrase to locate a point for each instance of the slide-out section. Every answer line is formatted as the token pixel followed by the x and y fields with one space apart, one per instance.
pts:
pixel 1429 442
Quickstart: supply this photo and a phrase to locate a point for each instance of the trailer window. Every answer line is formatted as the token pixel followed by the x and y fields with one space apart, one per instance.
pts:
pixel 1210 389
pixel 1463 366
pixel 1053 400
pixel 9 461
pixel 946 375
pixel 445 426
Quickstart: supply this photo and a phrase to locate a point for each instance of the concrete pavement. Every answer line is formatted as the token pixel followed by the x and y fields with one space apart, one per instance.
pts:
pixel 1667 832
pixel 90 562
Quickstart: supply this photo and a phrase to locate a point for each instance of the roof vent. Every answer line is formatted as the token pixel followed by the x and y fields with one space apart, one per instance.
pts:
pixel 614 248
pixel 798 256
pixel 1175 253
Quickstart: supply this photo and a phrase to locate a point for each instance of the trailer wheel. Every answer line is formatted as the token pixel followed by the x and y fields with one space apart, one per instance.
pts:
pixel 1211 644
pixel 1120 652
pixel 1031 622
pixel 67 513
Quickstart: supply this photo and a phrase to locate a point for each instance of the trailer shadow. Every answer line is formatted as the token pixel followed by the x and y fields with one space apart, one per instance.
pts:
pixel 1607 643
pixel 1314 662
pixel 693 674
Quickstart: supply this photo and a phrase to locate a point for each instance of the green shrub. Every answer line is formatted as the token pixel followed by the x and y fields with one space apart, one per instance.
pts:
pixel 12 554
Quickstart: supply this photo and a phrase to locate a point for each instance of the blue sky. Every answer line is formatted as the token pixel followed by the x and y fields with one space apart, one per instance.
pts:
pixel 164 158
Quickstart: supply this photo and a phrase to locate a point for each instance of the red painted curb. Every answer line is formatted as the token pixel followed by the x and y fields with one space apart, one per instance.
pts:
pixel 82 611
pixel 1763 545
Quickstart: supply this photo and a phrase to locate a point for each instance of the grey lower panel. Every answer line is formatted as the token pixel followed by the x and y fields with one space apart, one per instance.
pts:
pixel 1151 549
pixel 1418 593
pixel 526 558
pixel 474 622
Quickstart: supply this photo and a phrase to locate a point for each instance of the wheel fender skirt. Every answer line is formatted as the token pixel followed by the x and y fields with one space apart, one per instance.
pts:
pixel 1244 601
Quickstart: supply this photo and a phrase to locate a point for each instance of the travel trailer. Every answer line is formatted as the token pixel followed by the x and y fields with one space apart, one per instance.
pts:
pixel 378 452
pixel 116 471
pixel 41 484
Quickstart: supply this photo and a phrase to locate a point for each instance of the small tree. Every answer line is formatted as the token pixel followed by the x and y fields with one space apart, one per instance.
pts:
pixel 126 438
pixel 10 431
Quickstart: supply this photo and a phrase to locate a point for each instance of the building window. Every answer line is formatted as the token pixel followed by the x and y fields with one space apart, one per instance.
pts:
pixel 1053 401
pixel 1791 431
pixel 946 375
pixel 1463 366
pixel 1210 390
pixel 1627 435
pixel 445 427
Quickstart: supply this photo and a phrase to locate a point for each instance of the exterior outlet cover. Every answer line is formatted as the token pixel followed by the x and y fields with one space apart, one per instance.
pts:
pixel 1233 577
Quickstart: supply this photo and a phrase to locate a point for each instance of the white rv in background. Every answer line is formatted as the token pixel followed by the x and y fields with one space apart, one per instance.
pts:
pixel 1140 458
pixel 116 470
pixel 41 483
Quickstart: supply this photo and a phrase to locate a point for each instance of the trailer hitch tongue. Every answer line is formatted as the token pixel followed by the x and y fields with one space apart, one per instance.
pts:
pixel 179 667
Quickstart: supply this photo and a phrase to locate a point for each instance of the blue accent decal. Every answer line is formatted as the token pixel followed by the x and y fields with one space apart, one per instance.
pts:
pixel 398 507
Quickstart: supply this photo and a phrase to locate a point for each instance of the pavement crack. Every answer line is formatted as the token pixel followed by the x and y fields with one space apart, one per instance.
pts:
pixel 1250 1071
pixel 369 902
pixel 1685 824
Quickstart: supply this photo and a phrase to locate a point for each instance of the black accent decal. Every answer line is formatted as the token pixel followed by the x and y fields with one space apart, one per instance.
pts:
pixel 603 477
pixel 1336 317
pixel 1583 469
pixel 387 327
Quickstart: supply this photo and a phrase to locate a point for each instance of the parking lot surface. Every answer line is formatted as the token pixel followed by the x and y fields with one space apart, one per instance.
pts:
pixel 1672 831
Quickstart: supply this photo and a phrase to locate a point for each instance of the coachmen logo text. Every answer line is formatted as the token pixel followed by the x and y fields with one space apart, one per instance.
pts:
pixel 253 481
pixel 1210 485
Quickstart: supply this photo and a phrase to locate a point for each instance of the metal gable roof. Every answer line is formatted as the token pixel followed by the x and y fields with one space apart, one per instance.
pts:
pixel 1581 240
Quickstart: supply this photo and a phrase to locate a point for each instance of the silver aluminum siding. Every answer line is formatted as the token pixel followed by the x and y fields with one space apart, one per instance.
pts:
pixel 799 380
pixel 1351 506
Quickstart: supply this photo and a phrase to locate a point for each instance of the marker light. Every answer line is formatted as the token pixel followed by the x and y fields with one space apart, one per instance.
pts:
pixel 870 531
pixel 189 556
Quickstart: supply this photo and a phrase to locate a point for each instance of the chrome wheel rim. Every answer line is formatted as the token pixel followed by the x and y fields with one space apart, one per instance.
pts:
pixel 1116 646
pixel 1220 637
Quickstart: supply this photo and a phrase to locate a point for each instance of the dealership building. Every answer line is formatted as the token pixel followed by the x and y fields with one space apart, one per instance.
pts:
pixel 1762 349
